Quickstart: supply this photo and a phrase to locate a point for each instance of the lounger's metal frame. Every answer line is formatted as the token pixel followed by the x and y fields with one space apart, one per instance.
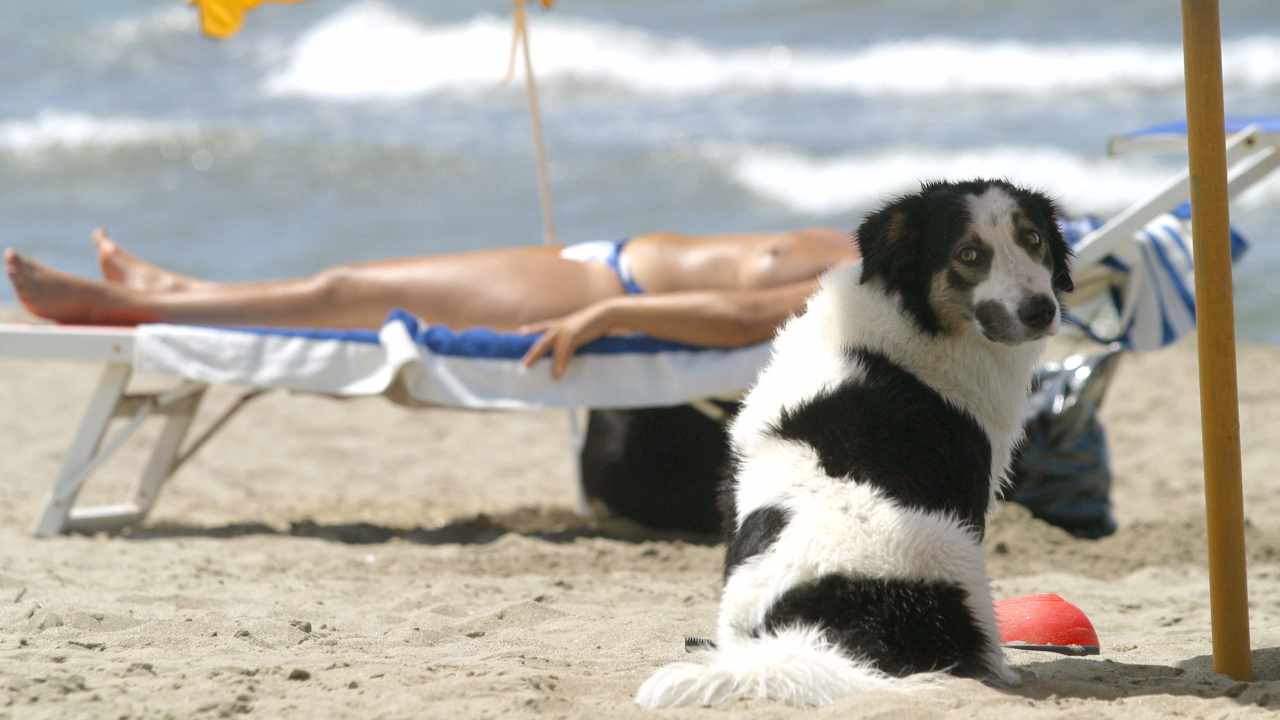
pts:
pixel 177 405
pixel 1251 156
pixel 111 400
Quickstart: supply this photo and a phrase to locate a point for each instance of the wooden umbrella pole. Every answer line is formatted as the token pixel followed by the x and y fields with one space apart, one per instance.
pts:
pixel 535 119
pixel 1219 411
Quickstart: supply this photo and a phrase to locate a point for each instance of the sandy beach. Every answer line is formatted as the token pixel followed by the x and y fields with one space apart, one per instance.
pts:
pixel 359 560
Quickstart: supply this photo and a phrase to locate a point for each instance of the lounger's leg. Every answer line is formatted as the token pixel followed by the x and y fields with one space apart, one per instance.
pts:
pixel 178 406
pixel 93 426
pixel 164 456
pixel 577 438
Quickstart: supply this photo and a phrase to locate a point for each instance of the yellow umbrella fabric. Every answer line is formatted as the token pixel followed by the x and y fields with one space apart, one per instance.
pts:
pixel 222 18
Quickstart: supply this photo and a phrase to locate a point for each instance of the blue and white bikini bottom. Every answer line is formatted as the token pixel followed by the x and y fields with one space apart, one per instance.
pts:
pixel 607 252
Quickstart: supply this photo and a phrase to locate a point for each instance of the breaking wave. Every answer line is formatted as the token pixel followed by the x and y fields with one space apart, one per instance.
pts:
pixel 371 51
pixel 1082 184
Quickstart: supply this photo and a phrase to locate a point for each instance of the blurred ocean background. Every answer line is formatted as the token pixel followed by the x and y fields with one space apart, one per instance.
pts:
pixel 335 131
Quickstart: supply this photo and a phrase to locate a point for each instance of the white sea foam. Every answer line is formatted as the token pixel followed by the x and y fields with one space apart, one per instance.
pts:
pixel 371 51
pixel 1082 184
pixel 50 130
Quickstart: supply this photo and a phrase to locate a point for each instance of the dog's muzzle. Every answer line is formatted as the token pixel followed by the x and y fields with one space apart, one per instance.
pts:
pixel 1035 317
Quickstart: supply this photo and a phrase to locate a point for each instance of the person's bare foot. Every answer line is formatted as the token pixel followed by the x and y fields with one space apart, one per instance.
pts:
pixel 124 268
pixel 64 298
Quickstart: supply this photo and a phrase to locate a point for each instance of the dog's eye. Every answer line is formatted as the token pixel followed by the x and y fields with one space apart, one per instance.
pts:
pixel 1033 239
pixel 967 255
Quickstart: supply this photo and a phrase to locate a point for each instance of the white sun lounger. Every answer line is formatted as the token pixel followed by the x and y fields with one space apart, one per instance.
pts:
pixel 405 361
pixel 1139 262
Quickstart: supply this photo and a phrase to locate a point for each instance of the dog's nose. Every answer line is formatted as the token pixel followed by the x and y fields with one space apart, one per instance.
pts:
pixel 1037 312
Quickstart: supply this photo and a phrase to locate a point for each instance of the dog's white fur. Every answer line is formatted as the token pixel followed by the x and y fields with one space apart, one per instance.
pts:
pixel 849 527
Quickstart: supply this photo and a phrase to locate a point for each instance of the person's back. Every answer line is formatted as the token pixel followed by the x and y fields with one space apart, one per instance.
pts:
pixel 676 262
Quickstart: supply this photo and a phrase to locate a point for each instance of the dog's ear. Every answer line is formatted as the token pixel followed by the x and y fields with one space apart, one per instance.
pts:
pixel 888 242
pixel 1046 215
pixel 896 242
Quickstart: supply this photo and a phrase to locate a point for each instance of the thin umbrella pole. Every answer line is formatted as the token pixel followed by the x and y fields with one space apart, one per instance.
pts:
pixel 1219 411
pixel 535 118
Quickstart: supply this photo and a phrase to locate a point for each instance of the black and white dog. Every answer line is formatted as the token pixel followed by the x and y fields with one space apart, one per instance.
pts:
pixel 871 449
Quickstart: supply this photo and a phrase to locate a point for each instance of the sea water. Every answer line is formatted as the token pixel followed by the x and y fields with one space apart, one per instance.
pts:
pixel 340 131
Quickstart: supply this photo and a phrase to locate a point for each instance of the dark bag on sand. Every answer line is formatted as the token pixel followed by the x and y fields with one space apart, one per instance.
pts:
pixel 661 466
pixel 1062 471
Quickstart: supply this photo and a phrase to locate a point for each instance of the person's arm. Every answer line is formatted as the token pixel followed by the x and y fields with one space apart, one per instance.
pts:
pixel 709 318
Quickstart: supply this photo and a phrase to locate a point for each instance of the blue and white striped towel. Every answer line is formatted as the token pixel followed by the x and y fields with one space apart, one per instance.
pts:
pixel 1151 291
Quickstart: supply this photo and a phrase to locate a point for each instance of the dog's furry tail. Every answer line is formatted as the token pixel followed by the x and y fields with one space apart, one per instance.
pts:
pixel 797 666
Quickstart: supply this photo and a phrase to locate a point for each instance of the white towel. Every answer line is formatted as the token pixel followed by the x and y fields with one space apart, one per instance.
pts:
pixel 416 364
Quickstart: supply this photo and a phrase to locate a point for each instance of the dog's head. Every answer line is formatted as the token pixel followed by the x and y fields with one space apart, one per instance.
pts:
pixel 982 253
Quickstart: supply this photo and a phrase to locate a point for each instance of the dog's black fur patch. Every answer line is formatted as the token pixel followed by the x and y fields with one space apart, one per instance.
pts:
pixel 892 431
pixel 760 529
pixel 909 240
pixel 902 626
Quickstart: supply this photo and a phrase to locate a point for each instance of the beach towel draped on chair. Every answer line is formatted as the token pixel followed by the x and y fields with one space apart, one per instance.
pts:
pixel 1142 295
pixel 417 364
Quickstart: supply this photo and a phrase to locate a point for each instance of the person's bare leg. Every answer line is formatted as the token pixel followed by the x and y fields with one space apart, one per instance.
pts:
pixel 502 289
pixel 67 298
pixel 124 268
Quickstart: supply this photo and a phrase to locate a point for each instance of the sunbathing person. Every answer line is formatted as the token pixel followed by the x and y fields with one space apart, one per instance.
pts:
pixel 718 290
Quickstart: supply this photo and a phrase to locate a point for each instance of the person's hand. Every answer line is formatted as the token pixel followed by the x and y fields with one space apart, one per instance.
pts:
pixel 563 336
